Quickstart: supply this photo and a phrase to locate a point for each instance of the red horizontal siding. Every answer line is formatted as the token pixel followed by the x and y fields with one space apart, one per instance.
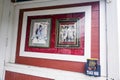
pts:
pixel 17 76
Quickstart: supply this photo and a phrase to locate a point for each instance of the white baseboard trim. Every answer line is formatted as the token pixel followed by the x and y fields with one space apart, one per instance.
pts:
pixel 49 73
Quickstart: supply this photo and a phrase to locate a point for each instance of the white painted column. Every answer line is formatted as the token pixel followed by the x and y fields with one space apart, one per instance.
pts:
pixel 112 40
pixel 1 7
pixel 118 23
pixel 1 54
pixel 102 38
pixel 4 26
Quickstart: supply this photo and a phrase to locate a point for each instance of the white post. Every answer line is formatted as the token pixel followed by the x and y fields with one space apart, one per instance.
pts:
pixel 1 41
pixel 112 40
pixel 4 24
pixel 102 38
pixel 118 23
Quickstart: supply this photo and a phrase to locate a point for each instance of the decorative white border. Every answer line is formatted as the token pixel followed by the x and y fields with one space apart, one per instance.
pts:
pixel 87 49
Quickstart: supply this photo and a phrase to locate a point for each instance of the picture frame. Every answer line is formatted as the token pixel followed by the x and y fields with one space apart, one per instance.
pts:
pixel 40 33
pixel 68 33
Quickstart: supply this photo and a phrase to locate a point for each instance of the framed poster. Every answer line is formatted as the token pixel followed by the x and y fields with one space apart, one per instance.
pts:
pixel 40 33
pixel 68 33
pixel 70 49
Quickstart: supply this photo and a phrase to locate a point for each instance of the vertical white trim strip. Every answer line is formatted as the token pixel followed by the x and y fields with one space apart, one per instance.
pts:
pixel 112 40
pixel 14 35
pixel 4 24
pixel 102 38
pixel 118 22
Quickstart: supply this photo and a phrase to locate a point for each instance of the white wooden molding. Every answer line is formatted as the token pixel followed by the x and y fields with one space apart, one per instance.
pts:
pixel 78 58
pixel 49 73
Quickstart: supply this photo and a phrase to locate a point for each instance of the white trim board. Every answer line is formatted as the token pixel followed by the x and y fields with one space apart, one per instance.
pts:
pixel 102 38
pixel 42 3
pixel 49 73
pixel 87 49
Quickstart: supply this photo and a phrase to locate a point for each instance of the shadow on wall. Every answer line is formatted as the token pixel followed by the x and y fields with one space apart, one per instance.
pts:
pixel 19 0
pixel 22 0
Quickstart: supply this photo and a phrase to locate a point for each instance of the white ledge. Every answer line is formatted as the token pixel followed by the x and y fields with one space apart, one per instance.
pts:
pixel 60 1
pixel 49 73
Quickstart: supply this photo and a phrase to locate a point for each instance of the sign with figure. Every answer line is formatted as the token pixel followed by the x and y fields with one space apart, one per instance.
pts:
pixel 92 68
pixel 39 33
pixel 68 33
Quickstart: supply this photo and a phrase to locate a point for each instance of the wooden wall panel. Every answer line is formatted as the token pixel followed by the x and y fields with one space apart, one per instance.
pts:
pixel 17 76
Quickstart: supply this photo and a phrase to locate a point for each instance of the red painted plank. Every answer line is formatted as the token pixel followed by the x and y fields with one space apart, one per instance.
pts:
pixel 18 76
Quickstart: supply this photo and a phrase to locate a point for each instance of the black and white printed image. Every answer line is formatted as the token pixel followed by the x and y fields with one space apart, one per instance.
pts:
pixel 39 33
pixel 68 33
